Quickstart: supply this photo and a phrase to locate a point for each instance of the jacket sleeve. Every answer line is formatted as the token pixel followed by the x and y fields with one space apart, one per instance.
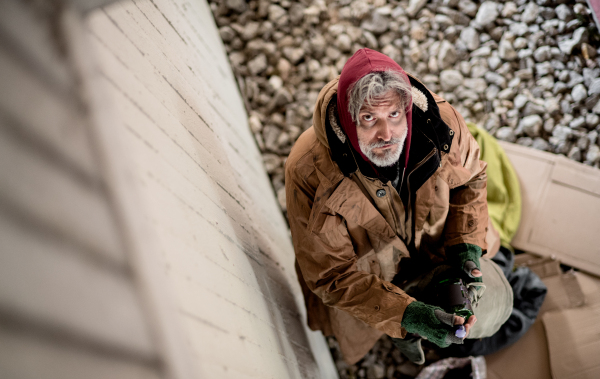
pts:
pixel 328 262
pixel 467 221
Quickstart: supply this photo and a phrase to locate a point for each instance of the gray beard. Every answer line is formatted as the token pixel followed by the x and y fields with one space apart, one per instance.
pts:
pixel 389 158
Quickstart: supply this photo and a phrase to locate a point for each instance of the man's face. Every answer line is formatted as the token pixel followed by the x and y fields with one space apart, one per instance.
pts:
pixel 382 129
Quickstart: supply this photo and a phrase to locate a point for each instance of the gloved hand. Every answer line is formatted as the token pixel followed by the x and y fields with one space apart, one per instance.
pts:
pixel 430 322
pixel 465 257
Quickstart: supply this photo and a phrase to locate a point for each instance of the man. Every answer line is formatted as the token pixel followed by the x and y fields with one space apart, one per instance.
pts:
pixel 385 186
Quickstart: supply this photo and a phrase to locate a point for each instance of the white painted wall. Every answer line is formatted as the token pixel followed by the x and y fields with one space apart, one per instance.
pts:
pixel 225 243
pixel 139 234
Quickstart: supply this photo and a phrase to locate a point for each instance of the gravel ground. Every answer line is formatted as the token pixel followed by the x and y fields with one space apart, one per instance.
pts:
pixel 526 71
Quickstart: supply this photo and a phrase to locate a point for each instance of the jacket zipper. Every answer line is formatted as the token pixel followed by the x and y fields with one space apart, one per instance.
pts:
pixel 409 205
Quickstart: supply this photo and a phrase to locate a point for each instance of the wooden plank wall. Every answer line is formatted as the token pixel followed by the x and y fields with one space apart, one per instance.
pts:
pixel 79 291
pixel 70 306
pixel 226 247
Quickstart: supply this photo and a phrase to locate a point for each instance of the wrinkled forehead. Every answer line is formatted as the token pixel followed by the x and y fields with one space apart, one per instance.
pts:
pixel 387 100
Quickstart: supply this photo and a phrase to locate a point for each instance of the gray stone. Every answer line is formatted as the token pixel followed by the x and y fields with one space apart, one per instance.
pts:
pixel 227 34
pixel 551 27
pixel 447 55
pixel 525 141
pixel 594 87
pixel 589 75
pixel 592 137
pixel 258 64
pixel 518 28
pixel 478 71
pixel 524 74
pixel 531 125
pixel 564 12
pixel 562 133
pixel 552 106
pixel 376 24
pixel 577 123
pixel 293 54
pixel 545 84
pixel 583 143
pixel 494 62
pixel 468 7
pixel 542 54
pixel 494 78
pixel 484 51
pixel 574 154
pixel 238 6
pixel 592 120
pixel 506 134
pixel 560 87
pixel 492 123
pixel 579 93
pixel 593 155
pixel 487 13
pixel 520 43
pixel 507 94
pixel 414 6
pixel 524 53
pixel 450 80
pixel 543 69
pixel 549 125
pixel 530 13
pixel 470 37
pixel 579 36
pixel 506 50
pixel 540 144
pixel 532 108
pixel 276 12
pixel 478 85
pixel 509 9
pixel 344 42
pixel 491 93
pixel 520 101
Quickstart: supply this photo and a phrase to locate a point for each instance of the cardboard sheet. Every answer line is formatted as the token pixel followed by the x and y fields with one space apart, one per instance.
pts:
pixel 526 359
pixel 574 342
pixel 561 207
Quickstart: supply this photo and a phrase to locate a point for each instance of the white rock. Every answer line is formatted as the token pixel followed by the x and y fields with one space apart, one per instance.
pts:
pixel 506 50
pixel 478 85
pixel 258 64
pixel 414 6
pixel 568 45
pixel 487 13
pixel 447 55
pixel 470 37
pixel 509 9
pixel 450 80
pixel 531 125
pixel 530 12
pixel 579 93
pixel 506 134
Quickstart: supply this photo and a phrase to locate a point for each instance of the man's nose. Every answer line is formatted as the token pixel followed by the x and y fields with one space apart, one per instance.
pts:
pixel 385 130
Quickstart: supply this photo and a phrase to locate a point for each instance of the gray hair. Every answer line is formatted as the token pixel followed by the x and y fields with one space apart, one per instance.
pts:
pixel 374 85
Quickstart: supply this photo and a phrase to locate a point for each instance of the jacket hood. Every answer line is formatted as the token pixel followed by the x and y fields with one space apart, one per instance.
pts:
pixel 320 113
pixel 364 62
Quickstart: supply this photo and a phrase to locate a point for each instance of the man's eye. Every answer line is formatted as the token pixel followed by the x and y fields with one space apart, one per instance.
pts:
pixel 394 114
pixel 368 117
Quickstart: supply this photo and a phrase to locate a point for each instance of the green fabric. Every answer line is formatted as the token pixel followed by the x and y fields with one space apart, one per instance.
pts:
pixel 420 318
pixel 461 253
pixel 503 191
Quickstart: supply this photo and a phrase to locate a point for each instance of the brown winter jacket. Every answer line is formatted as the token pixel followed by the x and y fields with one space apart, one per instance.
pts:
pixel 349 242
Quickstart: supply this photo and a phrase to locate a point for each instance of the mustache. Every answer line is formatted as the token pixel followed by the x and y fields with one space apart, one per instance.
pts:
pixel 393 141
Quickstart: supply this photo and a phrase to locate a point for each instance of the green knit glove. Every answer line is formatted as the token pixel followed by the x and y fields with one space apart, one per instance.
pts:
pixel 430 322
pixel 465 256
